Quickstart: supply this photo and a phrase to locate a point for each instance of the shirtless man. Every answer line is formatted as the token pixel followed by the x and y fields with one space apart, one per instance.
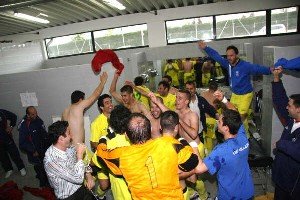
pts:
pixel 126 97
pixel 74 113
pixel 188 67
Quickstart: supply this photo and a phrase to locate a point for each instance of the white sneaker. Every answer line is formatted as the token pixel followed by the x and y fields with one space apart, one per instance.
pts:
pixel 23 172
pixel 8 173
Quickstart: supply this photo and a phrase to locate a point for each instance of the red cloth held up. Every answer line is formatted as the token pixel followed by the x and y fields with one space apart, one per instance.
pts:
pixel 104 56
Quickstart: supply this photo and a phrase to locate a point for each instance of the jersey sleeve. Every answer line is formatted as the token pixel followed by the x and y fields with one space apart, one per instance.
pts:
pixel 187 160
pixel 215 160
pixel 111 158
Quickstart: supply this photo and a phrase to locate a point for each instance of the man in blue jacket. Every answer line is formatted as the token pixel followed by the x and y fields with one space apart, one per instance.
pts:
pixel 239 72
pixel 7 144
pixel 286 166
pixel 33 140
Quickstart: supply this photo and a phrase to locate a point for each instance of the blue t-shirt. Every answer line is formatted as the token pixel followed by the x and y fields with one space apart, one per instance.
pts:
pixel 230 161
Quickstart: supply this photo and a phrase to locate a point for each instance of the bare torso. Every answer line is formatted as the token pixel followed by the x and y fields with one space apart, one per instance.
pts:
pixel 187 117
pixel 74 115
pixel 187 66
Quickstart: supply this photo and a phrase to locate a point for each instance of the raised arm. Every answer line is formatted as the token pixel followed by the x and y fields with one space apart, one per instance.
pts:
pixel 97 92
pixel 259 69
pixel 213 54
pixel 158 103
pixel 138 89
pixel 220 96
pixel 113 86
pixel 280 99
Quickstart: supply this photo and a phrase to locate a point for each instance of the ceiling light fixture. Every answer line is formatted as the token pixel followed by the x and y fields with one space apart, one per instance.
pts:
pixel 31 18
pixel 115 3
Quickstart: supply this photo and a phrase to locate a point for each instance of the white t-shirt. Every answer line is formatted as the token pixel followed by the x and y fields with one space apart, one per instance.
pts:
pixel 194 107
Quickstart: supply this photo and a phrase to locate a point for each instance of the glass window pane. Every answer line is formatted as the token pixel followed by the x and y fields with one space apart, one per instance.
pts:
pixel 284 20
pixel 185 30
pixel 121 38
pixel 69 45
pixel 241 24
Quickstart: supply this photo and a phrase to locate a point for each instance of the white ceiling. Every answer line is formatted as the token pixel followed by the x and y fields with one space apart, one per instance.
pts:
pixel 62 12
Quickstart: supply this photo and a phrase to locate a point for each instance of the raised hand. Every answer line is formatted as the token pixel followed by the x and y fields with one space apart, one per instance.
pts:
pixel 103 77
pixel 202 44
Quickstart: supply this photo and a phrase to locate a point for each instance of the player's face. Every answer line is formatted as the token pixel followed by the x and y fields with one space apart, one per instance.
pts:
pixel 125 97
pixel 191 88
pixel 231 56
pixel 292 109
pixel 181 101
pixel 107 105
pixel 161 90
pixel 155 110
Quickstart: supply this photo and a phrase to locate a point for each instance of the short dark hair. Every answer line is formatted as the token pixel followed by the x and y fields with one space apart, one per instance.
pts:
pixel 187 94
pixel 57 129
pixel 168 120
pixel 139 132
pixel 234 48
pixel 127 88
pixel 165 84
pixel 101 99
pixel 119 118
pixel 138 81
pixel 168 77
pixel 76 96
pixel 191 83
pixel 213 85
pixel 27 109
pixel 296 98
pixel 232 119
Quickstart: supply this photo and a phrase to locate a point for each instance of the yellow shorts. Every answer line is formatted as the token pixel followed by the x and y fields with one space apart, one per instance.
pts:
pixel 201 150
pixel 242 102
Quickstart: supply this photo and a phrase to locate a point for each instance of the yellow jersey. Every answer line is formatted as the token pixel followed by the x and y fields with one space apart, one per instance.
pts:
pixel 151 169
pixel 99 128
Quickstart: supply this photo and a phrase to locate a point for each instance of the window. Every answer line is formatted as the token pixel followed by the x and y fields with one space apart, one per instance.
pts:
pixel 69 45
pixel 284 20
pixel 186 30
pixel 241 24
pixel 121 38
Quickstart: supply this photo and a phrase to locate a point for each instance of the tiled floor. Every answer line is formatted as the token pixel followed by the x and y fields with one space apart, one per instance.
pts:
pixel 210 182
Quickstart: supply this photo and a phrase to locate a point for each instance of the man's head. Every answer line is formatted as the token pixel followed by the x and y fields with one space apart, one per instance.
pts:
pixel 169 61
pixel 169 121
pixel 126 93
pixel 77 96
pixel 229 122
pixel 138 81
pixel 60 133
pixel 232 54
pixel 31 113
pixel 155 110
pixel 138 129
pixel 191 87
pixel 293 106
pixel 183 98
pixel 163 88
pixel 119 118
pixel 213 86
pixel 105 104
pixel 167 78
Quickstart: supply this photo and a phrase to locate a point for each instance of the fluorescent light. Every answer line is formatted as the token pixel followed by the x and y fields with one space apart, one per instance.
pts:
pixel 115 3
pixel 31 18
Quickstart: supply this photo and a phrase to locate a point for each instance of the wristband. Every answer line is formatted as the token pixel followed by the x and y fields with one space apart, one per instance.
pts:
pixel 224 100
pixel 193 144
